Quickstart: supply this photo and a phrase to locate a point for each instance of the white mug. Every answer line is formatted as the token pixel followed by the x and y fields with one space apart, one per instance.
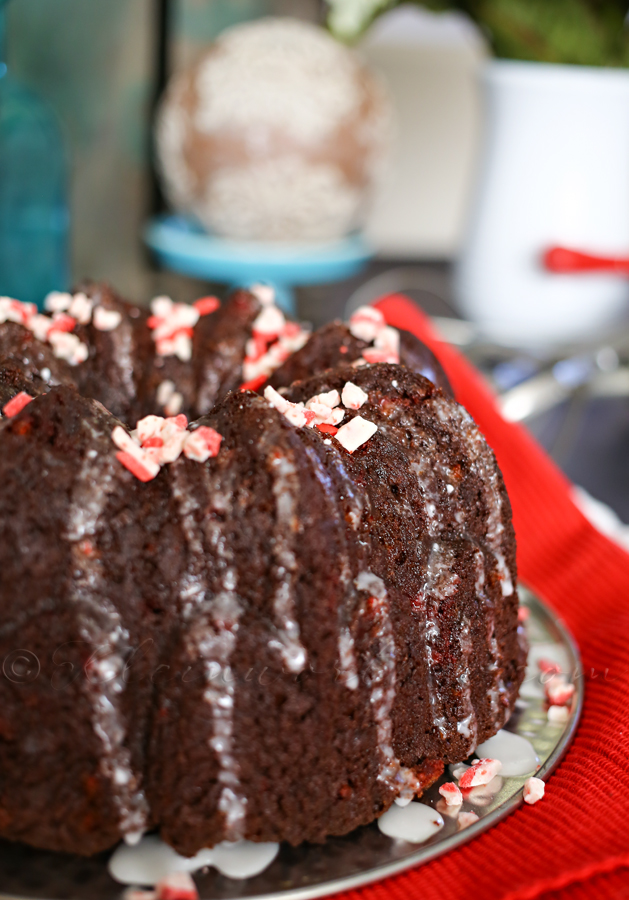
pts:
pixel 554 171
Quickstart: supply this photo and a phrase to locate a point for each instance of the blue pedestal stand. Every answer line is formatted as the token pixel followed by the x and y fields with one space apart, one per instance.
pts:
pixel 182 246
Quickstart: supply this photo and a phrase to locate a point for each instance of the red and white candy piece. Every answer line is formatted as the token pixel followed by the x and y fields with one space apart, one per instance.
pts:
pixel 202 444
pixel 157 441
pixel 355 433
pixel 68 346
pixel 206 305
pixel 264 293
pixel 547 667
pixel 481 772
pixel 451 794
pixel 80 308
pixel 269 323
pixel 366 322
pixel 57 301
pixel 176 886
pixel 172 324
pixel 558 715
pixel 16 404
pixel 533 790
pixel 465 820
pixel 169 398
pixel 559 692
pixel 352 396
pixel 106 319
pixel 296 413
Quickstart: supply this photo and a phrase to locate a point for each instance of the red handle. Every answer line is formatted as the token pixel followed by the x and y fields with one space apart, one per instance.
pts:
pixel 562 259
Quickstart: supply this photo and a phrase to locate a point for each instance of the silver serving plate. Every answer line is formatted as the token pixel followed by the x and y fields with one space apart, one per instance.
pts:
pixel 341 863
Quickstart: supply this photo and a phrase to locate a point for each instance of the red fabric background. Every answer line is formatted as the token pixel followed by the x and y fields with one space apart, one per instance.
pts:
pixel 575 842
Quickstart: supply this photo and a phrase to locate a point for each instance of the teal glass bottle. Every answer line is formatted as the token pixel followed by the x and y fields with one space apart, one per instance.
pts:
pixel 34 219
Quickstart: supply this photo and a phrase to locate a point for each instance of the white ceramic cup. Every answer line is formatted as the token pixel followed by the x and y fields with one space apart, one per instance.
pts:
pixel 554 170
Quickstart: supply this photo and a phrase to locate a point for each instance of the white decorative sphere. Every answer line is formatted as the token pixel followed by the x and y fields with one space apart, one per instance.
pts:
pixel 276 133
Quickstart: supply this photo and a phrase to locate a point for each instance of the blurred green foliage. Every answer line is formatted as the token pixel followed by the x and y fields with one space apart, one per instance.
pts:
pixel 584 32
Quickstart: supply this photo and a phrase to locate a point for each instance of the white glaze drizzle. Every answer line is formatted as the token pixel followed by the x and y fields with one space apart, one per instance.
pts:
pixel 441 581
pixel 484 465
pixel 414 822
pixel 380 667
pixel 347 656
pixel 468 725
pixel 152 860
pixel 286 485
pixel 122 346
pixel 102 628
pixel 214 621
pixel 497 688
pixel 516 753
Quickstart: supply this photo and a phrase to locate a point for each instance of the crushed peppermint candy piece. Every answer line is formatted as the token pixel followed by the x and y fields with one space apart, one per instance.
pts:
pixel 559 691
pixel 106 319
pixel 296 413
pixel 165 391
pixel 326 409
pixel 144 470
pixel 466 819
pixel 331 399
pixel 172 325
pixel 373 355
pixel 254 384
pixel 451 794
pixel 264 293
pixel 177 886
pixel 81 308
pixel 558 715
pixel 327 429
pixel 202 444
pixel 533 790
pixel 136 893
pixel 57 301
pixel 366 322
pixel 547 667
pixel 523 613
pixel 353 397
pixel 269 322
pixel 355 433
pixel 482 772
pixel 174 404
pixel 16 404
pixel 68 346
pixel 62 322
pixel 388 339
pixel 206 305
pixel 280 403
pixel 157 441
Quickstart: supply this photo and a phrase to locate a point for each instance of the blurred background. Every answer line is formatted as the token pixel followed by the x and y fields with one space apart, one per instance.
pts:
pixel 496 191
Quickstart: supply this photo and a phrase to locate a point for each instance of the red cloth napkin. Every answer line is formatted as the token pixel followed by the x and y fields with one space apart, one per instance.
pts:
pixel 575 842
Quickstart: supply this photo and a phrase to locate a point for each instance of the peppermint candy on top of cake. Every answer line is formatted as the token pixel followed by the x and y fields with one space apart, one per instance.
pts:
pixel 169 398
pixel 172 324
pixel 156 441
pixel 67 311
pixel 323 411
pixel 368 324
pixel 16 404
pixel 272 340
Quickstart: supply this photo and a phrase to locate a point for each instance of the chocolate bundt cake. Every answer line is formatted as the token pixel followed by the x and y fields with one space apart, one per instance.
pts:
pixel 269 624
